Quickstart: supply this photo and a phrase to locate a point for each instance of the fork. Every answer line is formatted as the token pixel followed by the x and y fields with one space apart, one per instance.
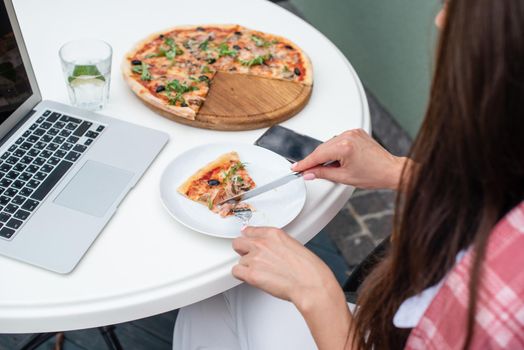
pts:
pixel 244 214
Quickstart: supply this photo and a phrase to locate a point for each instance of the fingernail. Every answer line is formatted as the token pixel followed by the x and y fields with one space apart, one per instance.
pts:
pixel 243 228
pixel 294 165
pixel 309 176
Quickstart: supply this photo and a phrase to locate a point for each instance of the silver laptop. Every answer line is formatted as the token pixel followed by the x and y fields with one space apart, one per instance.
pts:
pixel 63 171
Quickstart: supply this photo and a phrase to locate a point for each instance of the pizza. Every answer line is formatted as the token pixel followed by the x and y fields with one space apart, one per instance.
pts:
pixel 173 70
pixel 219 180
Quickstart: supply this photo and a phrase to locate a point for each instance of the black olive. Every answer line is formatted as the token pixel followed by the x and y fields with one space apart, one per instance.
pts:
pixel 136 62
pixel 160 88
pixel 213 182
pixel 203 78
pixel 236 47
pixel 161 36
pixel 238 33
pixel 210 38
pixel 184 104
pixel 200 29
pixel 233 69
pixel 289 47
pixel 211 60
pixel 297 71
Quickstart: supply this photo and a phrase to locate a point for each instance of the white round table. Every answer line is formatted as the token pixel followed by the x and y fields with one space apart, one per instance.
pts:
pixel 144 262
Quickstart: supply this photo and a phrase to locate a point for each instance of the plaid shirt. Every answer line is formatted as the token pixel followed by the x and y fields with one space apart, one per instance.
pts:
pixel 499 322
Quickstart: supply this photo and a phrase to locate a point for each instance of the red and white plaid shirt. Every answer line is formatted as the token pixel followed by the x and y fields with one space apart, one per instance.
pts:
pixel 499 322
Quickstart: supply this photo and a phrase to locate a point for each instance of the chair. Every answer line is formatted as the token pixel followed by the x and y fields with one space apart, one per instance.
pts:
pixel 352 285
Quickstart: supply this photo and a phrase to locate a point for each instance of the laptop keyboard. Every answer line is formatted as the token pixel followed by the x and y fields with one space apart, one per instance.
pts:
pixel 35 162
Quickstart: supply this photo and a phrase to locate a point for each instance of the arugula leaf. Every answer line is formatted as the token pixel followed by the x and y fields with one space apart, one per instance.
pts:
pixel 171 51
pixel 261 42
pixel 237 179
pixel 169 42
pixel 258 40
pixel 146 75
pixel 178 98
pixel 170 55
pixel 259 60
pixel 143 70
pixel 203 45
pixel 223 50
pixel 179 89
pixel 176 86
pixel 233 170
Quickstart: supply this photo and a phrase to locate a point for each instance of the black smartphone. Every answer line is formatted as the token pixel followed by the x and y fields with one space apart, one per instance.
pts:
pixel 288 143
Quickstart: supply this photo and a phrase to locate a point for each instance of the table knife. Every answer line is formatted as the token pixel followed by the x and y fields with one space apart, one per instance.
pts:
pixel 264 188
pixel 272 185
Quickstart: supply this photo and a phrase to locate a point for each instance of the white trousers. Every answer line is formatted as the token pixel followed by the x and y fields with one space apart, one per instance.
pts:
pixel 241 318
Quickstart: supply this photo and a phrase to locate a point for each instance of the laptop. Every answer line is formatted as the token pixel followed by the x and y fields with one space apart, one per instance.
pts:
pixel 63 170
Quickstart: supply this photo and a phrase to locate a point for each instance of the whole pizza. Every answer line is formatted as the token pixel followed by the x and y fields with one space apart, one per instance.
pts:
pixel 173 71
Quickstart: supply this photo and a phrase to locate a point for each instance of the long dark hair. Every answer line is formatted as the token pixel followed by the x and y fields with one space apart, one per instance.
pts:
pixel 468 165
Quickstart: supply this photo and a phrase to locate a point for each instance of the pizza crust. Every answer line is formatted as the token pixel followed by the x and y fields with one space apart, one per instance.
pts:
pixel 223 159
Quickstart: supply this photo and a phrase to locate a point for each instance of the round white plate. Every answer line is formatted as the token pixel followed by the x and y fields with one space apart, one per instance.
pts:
pixel 275 208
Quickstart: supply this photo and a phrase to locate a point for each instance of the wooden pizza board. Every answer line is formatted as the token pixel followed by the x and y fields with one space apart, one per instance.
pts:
pixel 244 102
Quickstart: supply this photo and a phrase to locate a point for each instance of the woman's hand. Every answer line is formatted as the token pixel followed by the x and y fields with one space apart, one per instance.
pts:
pixel 278 264
pixel 363 162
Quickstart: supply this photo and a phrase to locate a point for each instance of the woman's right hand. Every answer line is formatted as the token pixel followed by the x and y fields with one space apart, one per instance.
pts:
pixel 363 162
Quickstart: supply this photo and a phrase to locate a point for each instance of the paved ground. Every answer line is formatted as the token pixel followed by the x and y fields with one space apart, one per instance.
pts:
pixel 363 222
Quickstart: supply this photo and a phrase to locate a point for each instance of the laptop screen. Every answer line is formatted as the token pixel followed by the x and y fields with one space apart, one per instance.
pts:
pixel 15 87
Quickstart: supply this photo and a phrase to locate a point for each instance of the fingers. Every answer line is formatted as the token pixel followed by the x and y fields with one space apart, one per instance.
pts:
pixel 338 148
pixel 322 154
pixel 254 232
pixel 240 271
pixel 329 173
pixel 242 245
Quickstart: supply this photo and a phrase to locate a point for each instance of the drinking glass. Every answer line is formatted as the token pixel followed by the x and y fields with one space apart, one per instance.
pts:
pixel 86 64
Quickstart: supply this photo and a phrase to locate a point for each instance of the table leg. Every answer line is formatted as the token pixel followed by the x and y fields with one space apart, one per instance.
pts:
pixel 110 337
pixel 36 340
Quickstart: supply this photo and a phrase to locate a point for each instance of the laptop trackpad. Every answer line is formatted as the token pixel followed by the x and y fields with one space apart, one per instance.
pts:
pixel 95 188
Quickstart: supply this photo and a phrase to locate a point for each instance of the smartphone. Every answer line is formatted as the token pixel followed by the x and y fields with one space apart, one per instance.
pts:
pixel 288 143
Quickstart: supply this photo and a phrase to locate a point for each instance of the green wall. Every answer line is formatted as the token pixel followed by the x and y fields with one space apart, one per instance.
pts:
pixel 389 42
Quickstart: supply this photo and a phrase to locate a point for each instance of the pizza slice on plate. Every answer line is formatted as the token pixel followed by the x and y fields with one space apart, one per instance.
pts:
pixel 223 178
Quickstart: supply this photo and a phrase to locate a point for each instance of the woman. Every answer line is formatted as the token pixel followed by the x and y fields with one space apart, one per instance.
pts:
pixel 452 277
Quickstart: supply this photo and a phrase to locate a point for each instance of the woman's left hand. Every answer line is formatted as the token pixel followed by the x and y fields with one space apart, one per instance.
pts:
pixel 278 264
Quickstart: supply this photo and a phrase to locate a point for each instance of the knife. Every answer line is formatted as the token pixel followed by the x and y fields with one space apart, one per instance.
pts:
pixel 272 185
pixel 264 188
